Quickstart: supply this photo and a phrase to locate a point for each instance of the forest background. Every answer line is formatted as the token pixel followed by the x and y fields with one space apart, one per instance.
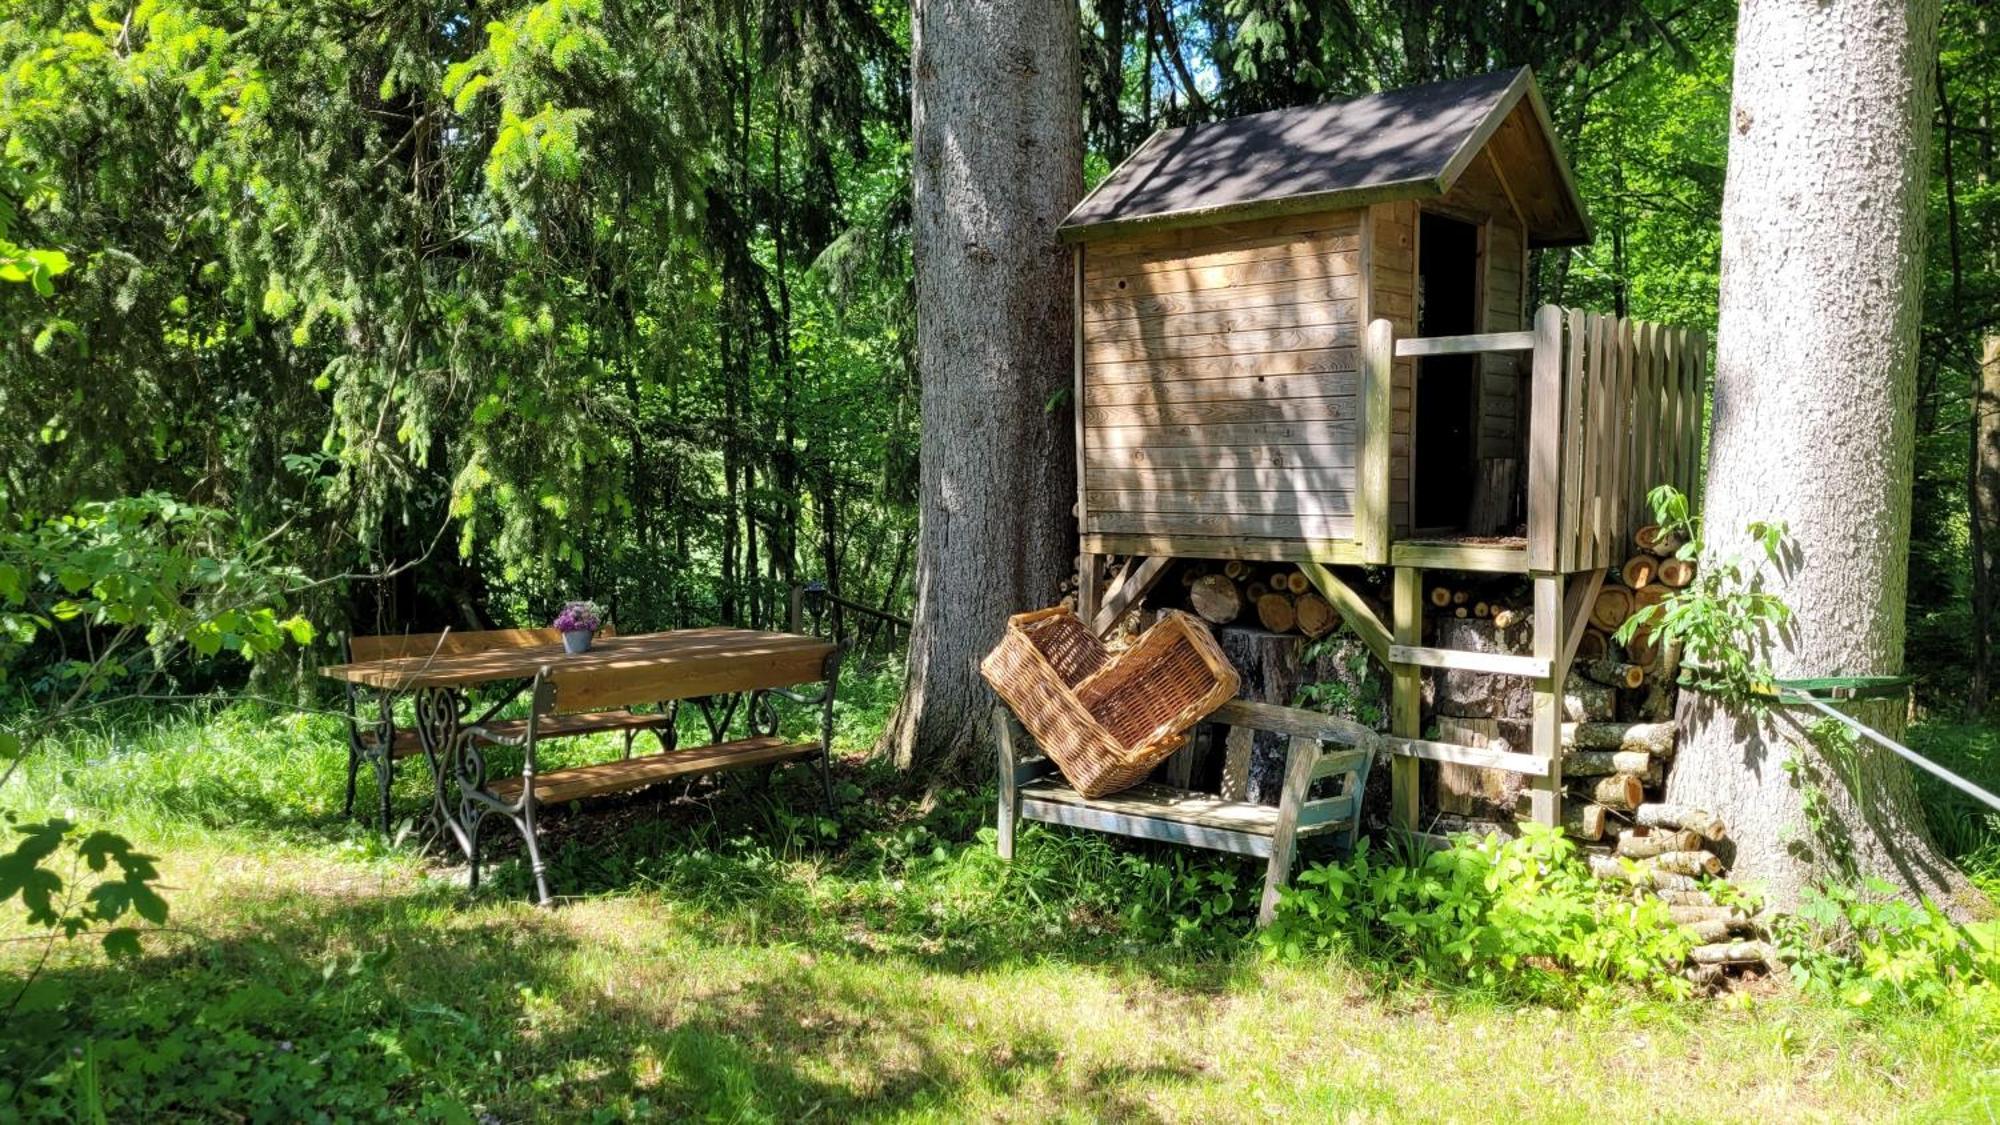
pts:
pixel 613 298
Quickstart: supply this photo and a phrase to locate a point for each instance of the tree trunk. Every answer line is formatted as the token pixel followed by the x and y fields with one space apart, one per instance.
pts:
pixel 1985 529
pixel 997 162
pixel 1822 255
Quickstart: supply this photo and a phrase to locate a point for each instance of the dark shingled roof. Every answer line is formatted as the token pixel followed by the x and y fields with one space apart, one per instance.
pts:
pixel 1392 145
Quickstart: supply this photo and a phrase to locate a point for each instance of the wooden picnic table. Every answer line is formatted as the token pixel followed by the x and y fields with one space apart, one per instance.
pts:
pixel 691 662
pixel 576 693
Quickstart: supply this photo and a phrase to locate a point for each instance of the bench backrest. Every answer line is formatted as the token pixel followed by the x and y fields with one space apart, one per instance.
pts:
pixel 453 642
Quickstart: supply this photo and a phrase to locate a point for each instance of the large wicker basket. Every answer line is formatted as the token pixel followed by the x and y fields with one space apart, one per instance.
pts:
pixel 1107 719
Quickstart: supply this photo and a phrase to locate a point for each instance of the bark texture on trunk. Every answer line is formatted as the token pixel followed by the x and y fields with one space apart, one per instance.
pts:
pixel 997 162
pixel 1815 382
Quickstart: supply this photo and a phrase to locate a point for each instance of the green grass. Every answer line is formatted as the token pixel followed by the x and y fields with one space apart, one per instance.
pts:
pixel 733 955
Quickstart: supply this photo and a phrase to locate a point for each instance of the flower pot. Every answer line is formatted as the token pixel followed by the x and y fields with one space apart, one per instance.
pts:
pixel 577 640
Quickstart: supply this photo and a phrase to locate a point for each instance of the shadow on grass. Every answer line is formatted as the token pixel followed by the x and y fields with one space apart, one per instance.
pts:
pixel 412 1005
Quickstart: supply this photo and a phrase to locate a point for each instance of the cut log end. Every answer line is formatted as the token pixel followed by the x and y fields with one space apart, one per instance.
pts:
pixel 1639 570
pixel 1317 617
pixel 1676 573
pixel 1216 599
pixel 1276 613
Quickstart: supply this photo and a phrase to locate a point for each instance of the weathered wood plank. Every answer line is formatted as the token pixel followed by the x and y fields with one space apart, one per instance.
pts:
pixel 1354 609
pixel 1260 525
pixel 1234 434
pixel 1459 556
pixel 1292 721
pixel 1545 440
pixel 1575 410
pixel 1314 337
pixel 1405 693
pixel 1306 479
pixel 1372 500
pixel 1148 306
pixel 1545 791
pixel 1496 663
pixel 1171 241
pixel 1161 331
pixel 1154 800
pixel 1468 756
pixel 1304 385
pixel 1132 585
pixel 1112 260
pixel 1473 344
pixel 1297 263
pixel 1233 366
pixel 1301 503
pixel 1339 551
pixel 1338 408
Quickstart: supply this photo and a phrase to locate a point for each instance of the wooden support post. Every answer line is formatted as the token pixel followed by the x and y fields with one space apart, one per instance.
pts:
pixel 1138 577
pixel 1304 753
pixel 1406 695
pixel 1545 791
pixel 1577 603
pixel 1545 439
pixel 1371 497
pixel 1089 572
pixel 1354 609
pixel 1010 790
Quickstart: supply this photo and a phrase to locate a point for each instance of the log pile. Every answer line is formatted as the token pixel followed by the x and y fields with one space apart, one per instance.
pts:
pixel 1276 598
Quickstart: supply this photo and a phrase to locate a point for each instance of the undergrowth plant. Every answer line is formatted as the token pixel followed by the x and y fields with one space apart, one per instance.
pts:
pixel 1518 917
pixel 1721 620
pixel 1870 950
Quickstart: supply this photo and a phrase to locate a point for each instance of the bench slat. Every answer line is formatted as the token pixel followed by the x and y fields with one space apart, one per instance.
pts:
pixel 577 782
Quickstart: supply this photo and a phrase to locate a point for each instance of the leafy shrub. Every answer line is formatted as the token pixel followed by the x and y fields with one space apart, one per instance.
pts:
pixel 1869 950
pixel 1520 917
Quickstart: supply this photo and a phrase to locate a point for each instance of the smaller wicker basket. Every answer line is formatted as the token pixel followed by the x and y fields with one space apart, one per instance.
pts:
pixel 1106 719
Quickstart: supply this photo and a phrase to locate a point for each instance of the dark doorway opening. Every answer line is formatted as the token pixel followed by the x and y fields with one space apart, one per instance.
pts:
pixel 1445 441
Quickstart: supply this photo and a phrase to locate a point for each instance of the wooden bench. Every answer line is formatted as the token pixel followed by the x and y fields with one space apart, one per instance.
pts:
pixel 1318 747
pixel 366 737
pixel 765 665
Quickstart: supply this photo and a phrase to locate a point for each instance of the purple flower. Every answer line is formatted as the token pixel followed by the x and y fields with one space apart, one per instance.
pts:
pixel 579 617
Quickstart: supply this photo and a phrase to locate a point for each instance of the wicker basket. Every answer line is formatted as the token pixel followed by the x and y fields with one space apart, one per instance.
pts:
pixel 1106 720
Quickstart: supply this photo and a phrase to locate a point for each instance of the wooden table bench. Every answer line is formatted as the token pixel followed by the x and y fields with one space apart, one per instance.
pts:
pixel 1318 747
pixel 584 692
pixel 379 741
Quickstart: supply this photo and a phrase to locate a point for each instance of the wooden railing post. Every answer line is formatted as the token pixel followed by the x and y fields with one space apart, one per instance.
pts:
pixel 1545 413
pixel 1371 499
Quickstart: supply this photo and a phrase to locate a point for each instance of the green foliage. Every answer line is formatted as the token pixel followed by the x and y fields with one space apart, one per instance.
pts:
pixel 119 593
pixel 90 895
pixel 1723 620
pixel 1865 948
pixel 1519 918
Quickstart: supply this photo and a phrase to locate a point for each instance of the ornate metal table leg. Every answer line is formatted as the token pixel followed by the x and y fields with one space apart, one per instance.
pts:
pixel 384 758
pixel 439 713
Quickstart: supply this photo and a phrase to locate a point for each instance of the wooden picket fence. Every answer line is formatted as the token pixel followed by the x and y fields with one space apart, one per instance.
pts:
pixel 1617 410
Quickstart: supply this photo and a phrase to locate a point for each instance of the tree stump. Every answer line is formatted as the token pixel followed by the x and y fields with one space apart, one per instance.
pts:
pixel 1273 669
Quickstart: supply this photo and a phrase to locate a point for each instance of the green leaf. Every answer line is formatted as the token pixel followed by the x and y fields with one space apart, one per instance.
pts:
pixel 121 942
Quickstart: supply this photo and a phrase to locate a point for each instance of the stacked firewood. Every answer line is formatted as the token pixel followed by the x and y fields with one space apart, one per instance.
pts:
pixel 1275 597
pixel 1647 578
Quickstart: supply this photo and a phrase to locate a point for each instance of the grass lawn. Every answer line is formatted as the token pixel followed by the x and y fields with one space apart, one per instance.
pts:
pixel 735 956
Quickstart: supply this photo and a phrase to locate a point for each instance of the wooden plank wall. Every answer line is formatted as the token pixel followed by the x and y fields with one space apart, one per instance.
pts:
pixel 1220 383
pixel 1502 374
pixel 1392 268
pixel 1631 419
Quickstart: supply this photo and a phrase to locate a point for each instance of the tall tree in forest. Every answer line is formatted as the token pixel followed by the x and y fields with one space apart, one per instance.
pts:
pixel 1822 256
pixel 998 161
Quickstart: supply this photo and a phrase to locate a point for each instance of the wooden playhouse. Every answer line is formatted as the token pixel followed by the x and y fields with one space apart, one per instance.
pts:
pixel 1303 337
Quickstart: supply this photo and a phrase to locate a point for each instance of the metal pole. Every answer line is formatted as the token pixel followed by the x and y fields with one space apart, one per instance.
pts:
pixel 1898 749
